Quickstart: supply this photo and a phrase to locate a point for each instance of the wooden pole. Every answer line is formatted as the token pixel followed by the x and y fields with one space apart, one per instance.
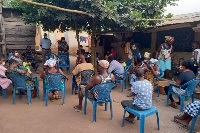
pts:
pixel 168 19
pixel 93 50
pixel 55 7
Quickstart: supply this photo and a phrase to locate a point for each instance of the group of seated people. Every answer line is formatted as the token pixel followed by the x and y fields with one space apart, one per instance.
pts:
pixel 141 81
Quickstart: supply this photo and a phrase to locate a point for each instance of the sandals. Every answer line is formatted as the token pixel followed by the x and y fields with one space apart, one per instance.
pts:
pixel 52 98
pixel 57 97
pixel 77 108
pixel 173 105
pixel 129 119
pixel 181 126
pixel 130 95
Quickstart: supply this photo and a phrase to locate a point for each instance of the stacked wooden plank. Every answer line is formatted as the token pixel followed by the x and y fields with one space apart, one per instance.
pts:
pixel 18 35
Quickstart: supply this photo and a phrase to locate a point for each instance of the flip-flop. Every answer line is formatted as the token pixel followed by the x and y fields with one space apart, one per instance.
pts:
pixel 185 127
pixel 77 109
pixel 129 120
pixel 130 95
pixel 57 97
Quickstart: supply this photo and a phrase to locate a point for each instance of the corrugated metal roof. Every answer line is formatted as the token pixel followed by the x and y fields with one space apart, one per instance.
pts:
pixel 190 17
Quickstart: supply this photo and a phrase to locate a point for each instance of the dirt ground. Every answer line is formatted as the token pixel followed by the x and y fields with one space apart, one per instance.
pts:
pixel 57 118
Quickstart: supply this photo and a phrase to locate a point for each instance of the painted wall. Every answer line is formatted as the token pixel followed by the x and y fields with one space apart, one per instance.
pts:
pixel 69 37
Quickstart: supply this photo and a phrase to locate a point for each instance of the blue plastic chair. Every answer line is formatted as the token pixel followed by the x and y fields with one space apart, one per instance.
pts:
pixel 85 79
pixel 154 80
pixel 142 115
pixel 51 55
pixel 128 65
pixel 64 61
pixel 194 119
pixel 53 81
pixel 103 90
pixel 123 80
pixel 4 90
pixel 19 82
pixel 191 85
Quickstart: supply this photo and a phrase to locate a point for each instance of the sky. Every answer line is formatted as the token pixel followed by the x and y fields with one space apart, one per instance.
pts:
pixel 184 7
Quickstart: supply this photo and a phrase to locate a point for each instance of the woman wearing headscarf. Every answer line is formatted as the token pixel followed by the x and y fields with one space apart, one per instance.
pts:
pixel 51 65
pixel 164 55
pixel 63 47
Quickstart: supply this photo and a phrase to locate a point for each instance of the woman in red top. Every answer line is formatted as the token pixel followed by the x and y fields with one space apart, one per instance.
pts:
pixel 112 52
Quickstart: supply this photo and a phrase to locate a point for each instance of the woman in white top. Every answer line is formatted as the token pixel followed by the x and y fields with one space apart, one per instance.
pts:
pixel 195 56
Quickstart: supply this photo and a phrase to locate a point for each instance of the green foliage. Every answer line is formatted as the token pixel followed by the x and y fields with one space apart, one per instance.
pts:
pixel 109 15
pixel 6 3
pixel 169 15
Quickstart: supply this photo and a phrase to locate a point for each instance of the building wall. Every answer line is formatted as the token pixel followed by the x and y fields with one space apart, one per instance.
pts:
pixel 18 35
pixel 69 37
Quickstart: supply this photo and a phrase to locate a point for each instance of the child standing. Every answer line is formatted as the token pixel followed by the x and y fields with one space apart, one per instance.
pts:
pixel 27 65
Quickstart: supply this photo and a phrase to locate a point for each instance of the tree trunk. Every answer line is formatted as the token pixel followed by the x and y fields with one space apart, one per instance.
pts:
pixel 93 50
pixel 77 37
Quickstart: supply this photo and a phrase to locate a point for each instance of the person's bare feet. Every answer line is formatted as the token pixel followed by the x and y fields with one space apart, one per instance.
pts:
pixel 178 117
pixel 130 95
pixel 77 108
pixel 183 122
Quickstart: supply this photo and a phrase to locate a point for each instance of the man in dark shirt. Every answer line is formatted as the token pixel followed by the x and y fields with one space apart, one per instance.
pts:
pixel 183 78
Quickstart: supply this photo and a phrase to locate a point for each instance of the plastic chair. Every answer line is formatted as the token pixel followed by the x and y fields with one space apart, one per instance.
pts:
pixel 191 85
pixel 154 80
pixel 53 81
pixel 85 79
pixel 19 82
pixel 142 115
pixel 123 80
pixel 51 55
pixel 128 64
pixel 64 61
pixel 103 90
pixel 4 90
pixel 194 122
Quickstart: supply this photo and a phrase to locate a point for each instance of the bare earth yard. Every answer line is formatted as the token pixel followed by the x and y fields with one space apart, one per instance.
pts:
pixel 57 118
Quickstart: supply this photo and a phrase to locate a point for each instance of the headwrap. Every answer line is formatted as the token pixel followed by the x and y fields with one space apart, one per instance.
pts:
pixel 50 62
pixel 103 63
pixel 154 61
pixel 147 55
pixel 169 38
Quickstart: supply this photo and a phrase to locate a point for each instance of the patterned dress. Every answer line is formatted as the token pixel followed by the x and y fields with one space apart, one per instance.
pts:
pixel 192 108
pixel 29 82
pixel 63 45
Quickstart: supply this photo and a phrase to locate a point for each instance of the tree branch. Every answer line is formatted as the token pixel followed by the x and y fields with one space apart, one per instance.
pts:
pixel 55 7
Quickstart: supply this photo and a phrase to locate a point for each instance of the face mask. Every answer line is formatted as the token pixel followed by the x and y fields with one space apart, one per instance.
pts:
pixel 62 40
pixel 16 54
pixel 45 37
pixel 3 63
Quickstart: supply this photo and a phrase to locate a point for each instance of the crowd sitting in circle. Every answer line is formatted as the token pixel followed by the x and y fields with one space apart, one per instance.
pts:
pixel 145 70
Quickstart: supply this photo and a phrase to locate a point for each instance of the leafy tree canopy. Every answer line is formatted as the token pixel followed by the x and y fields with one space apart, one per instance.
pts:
pixel 112 15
